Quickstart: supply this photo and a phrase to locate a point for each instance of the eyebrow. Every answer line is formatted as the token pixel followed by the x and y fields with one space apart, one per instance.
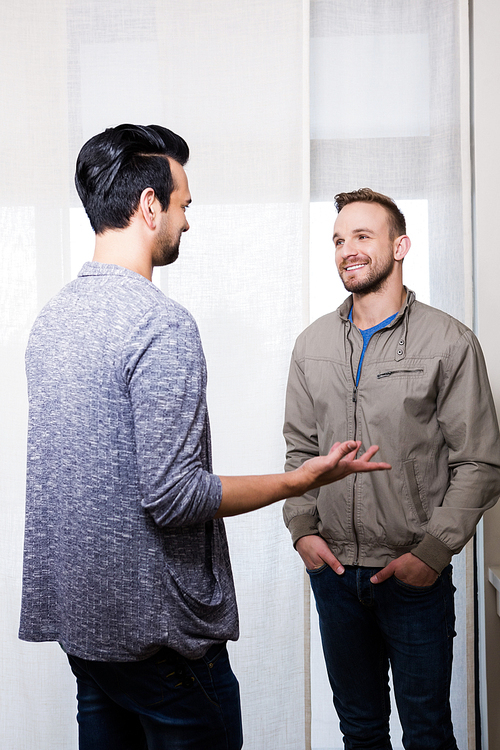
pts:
pixel 355 231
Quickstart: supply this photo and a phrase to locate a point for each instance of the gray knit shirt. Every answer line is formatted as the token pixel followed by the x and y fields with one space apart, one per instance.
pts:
pixel 121 553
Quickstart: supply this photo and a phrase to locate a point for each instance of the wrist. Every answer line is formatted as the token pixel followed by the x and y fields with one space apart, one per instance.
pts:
pixel 295 482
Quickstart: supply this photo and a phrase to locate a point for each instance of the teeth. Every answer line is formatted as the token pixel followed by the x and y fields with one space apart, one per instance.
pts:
pixel 353 268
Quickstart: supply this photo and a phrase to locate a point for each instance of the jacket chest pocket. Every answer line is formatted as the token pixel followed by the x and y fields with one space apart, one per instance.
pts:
pixel 406 393
pixel 401 373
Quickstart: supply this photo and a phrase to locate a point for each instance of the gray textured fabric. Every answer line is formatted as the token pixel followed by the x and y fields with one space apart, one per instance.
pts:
pixel 121 555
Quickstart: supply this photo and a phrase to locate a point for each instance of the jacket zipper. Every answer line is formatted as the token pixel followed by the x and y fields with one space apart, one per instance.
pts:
pixel 404 318
pixel 355 402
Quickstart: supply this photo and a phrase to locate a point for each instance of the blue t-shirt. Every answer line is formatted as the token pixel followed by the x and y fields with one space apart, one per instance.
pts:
pixel 367 334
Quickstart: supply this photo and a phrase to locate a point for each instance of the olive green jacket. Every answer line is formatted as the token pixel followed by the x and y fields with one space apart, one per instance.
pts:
pixel 423 397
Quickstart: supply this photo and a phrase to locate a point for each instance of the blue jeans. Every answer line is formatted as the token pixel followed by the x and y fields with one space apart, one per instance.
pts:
pixel 164 702
pixel 364 628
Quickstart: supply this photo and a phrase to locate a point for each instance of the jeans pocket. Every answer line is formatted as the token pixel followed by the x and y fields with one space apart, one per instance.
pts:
pixel 214 653
pixel 210 672
pixel 315 571
pixel 416 589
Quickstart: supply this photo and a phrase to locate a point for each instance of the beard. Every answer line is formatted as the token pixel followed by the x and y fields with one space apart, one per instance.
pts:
pixel 166 250
pixel 374 280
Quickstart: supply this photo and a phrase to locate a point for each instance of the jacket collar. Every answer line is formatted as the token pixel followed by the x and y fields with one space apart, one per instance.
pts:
pixel 402 316
pixel 345 308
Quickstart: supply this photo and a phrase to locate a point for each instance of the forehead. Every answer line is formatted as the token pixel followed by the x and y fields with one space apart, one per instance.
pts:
pixel 362 215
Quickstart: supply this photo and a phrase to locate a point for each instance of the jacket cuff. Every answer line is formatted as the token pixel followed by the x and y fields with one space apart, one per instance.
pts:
pixel 302 525
pixel 433 552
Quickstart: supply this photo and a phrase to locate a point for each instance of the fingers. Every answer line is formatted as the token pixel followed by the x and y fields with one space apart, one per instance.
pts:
pixel 409 569
pixel 369 453
pixel 340 450
pixel 334 446
pixel 334 564
pixel 383 574
pixel 315 552
pixel 364 462
pixel 338 464
pixel 361 465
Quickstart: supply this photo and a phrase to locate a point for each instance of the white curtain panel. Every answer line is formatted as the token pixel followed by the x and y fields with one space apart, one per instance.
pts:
pixel 233 79
pixel 228 77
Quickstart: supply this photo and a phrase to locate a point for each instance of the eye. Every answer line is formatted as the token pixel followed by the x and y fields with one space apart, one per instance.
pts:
pixel 338 242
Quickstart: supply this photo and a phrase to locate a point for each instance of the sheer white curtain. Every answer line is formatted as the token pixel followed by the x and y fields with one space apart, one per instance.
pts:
pixel 228 77
pixel 232 78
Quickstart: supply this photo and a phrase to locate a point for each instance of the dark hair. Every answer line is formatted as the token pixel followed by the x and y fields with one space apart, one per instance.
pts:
pixel 397 223
pixel 114 167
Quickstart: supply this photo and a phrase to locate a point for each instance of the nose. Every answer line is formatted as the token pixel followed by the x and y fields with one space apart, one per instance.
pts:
pixel 186 227
pixel 346 250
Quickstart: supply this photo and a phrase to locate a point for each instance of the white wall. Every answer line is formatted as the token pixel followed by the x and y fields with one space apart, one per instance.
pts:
pixel 486 153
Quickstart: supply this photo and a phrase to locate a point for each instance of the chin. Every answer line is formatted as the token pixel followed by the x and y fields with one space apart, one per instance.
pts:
pixel 167 258
pixel 172 258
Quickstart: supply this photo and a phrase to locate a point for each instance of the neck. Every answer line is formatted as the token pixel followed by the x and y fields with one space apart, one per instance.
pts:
pixel 369 310
pixel 122 247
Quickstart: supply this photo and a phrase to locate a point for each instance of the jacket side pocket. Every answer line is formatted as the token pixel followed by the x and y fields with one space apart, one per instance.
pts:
pixel 413 490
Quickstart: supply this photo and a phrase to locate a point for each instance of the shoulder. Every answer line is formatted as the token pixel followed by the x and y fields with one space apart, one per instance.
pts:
pixel 320 340
pixel 322 329
pixel 438 333
pixel 422 313
pixel 113 311
pixel 163 339
pixel 442 325
pixel 132 298
pixel 324 338
pixel 165 314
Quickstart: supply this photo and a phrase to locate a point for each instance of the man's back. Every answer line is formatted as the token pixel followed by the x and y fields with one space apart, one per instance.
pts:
pixel 118 421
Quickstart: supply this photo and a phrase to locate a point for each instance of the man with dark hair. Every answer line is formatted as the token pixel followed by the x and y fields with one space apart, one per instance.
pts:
pixel 387 368
pixel 113 167
pixel 126 562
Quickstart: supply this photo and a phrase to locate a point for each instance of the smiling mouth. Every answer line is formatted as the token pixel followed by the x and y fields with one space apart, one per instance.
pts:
pixel 354 267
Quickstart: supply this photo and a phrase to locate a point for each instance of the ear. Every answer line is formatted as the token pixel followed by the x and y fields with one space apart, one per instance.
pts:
pixel 147 208
pixel 401 246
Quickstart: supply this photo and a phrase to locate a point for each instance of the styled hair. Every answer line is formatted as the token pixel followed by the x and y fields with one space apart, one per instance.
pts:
pixel 114 167
pixel 397 223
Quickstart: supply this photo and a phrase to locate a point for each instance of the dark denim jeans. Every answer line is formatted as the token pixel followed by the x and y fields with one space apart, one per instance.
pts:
pixel 163 702
pixel 364 627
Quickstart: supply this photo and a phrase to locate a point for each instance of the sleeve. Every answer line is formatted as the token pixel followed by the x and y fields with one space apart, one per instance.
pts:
pixel 467 417
pixel 165 374
pixel 300 432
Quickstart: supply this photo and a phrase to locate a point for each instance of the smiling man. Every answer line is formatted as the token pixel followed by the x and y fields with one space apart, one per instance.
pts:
pixel 387 369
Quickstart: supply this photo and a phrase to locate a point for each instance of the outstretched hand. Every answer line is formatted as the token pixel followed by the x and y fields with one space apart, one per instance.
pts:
pixel 243 494
pixel 339 463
